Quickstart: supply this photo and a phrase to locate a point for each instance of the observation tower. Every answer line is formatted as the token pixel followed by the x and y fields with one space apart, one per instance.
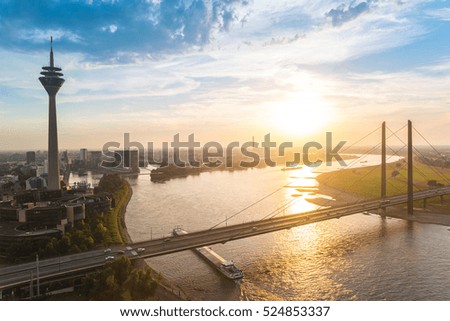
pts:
pixel 52 81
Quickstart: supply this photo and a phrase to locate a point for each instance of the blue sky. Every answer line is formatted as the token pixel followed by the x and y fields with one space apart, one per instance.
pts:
pixel 224 70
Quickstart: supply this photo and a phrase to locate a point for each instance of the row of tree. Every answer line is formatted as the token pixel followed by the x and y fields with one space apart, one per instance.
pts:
pixel 120 281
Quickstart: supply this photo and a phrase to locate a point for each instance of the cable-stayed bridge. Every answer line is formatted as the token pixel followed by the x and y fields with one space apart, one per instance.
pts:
pixel 79 264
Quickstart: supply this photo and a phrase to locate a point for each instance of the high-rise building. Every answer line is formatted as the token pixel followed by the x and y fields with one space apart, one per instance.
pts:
pixel 46 167
pixel 130 159
pixel 95 158
pixel 83 155
pixel 31 157
pixel 52 82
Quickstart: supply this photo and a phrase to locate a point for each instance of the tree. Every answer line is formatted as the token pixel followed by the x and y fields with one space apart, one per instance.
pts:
pixel 110 183
pixel 51 249
pixel 118 281
pixel 64 244
pixel 100 234
pixel 141 285
pixel 121 268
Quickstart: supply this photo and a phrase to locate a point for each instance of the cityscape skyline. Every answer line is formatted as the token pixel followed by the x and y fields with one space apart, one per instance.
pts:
pixel 224 71
pixel 225 150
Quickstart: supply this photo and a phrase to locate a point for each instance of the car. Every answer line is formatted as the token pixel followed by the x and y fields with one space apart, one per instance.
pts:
pixel 109 258
pixel 167 240
pixel 129 248
pixel 107 251
pixel 140 249
pixel 121 252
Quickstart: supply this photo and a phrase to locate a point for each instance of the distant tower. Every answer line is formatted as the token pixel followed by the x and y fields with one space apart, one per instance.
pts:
pixel 31 157
pixel 52 82
pixel 83 155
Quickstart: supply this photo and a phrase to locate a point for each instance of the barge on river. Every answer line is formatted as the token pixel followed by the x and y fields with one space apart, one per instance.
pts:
pixel 227 268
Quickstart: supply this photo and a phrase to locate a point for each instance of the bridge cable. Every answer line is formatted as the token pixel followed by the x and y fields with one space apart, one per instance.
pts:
pixel 433 168
pixel 374 167
pixel 426 140
pixel 402 166
pixel 395 187
pixel 295 200
pixel 247 207
pixel 290 203
pixel 429 165
pixel 375 130
pixel 280 188
pixel 371 170
pixel 414 166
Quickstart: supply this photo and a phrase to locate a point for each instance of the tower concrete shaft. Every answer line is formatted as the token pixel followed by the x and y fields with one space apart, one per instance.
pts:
pixel 52 82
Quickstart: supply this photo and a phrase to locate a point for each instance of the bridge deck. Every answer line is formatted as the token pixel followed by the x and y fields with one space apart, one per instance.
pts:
pixel 20 274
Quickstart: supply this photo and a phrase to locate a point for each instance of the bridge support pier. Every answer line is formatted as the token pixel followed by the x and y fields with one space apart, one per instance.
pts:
pixel 424 203
pixel 442 199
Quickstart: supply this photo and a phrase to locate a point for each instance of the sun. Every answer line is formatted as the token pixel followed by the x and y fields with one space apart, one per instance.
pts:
pixel 301 115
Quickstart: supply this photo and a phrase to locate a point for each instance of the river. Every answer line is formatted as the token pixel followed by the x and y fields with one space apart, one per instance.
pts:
pixel 359 257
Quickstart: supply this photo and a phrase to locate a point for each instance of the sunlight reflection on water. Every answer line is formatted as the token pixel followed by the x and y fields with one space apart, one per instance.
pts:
pixel 360 257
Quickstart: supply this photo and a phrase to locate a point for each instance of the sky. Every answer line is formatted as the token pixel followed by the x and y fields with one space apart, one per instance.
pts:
pixel 224 70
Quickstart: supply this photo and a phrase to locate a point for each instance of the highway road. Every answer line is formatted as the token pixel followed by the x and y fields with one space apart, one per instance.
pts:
pixel 70 264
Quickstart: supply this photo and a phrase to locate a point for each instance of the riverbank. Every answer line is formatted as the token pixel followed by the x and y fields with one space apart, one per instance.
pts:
pixel 121 217
pixel 352 185
pixel 114 221
pixel 164 291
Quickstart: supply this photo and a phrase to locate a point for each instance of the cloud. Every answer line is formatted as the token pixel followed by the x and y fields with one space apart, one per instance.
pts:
pixel 345 13
pixel 162 66
pixel 439 68
pixel 110 28
pixel 43 36
pixel 155 27
pixel 441 14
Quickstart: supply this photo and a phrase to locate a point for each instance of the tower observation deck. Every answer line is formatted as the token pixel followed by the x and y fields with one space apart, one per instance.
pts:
pixel 52 81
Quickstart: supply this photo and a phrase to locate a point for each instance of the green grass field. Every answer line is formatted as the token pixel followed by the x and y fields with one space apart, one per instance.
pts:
pixel 366 181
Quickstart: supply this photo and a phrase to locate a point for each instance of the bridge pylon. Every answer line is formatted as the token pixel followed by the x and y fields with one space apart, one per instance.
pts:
pixel 410 171
pixel 383 163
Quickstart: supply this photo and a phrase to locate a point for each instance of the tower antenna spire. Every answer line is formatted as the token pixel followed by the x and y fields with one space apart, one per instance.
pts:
pixel 52 64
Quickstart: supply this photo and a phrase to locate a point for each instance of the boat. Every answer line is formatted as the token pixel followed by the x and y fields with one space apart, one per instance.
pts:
pixel 227 268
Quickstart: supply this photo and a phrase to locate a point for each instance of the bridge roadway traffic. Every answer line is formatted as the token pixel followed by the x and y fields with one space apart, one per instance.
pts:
pixel 20 274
